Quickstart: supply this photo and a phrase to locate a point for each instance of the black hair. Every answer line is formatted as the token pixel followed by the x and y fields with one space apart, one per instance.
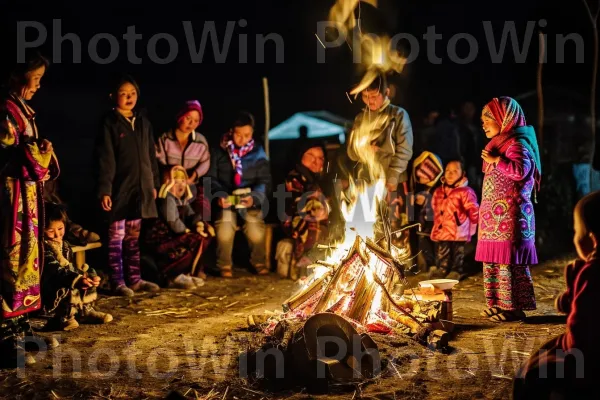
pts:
pixel 54 212
pixel 589 211
pixel 243 118
pixel 379 83
pixel 460 161
pixel 120 81
pixel 18 74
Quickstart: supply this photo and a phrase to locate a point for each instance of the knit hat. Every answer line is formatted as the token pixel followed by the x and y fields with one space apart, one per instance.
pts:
pixel 176 172
pixel 190 105
pixel 304 145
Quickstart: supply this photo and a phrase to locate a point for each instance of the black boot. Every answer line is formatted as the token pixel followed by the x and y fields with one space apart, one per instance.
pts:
pixel 11 345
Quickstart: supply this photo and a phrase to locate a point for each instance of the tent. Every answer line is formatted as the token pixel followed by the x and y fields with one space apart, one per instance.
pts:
pixel 319 124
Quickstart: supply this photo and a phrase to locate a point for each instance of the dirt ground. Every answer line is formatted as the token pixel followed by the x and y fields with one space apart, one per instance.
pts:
pixel 193 351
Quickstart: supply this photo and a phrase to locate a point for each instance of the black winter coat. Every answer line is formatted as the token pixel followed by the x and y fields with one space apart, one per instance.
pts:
pixel 127 169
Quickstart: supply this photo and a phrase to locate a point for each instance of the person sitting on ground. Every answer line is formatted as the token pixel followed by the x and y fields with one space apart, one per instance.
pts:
pixel 305 222
pixel 183 146
pixel 178 237
pixel 75 234
pixel 67 291
pixel 550 373
pixel 239 176
pixel 427 171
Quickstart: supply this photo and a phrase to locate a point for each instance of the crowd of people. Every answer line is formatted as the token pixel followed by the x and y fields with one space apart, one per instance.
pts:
pixel 172 196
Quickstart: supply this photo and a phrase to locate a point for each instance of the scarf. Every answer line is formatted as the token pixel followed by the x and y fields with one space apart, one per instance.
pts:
pixel 236 154
pixel 509 115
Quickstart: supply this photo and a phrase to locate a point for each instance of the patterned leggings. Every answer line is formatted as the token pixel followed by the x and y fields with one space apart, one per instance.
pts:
pixel 508 287
pixel 124 252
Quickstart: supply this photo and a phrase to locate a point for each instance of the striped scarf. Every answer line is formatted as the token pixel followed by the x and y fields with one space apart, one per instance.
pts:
pixel 236 154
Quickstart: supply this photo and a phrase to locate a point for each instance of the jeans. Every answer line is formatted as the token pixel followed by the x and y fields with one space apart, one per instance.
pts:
pixel 451 256
pixel 254 230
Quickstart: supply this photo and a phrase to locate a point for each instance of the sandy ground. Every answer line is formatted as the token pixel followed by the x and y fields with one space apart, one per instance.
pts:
pixel 194 354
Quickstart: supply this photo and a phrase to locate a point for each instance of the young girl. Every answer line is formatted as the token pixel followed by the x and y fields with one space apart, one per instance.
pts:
pixel 178 238
pixel 506 243
pixel 456 213
pixel 128 180
pixel 66 289
pixel 551 373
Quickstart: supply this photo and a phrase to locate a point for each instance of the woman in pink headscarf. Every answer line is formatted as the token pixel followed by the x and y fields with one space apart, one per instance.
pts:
pixel 506 245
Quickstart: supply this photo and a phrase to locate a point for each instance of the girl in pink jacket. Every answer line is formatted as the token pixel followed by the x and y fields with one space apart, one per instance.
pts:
pixel 455 217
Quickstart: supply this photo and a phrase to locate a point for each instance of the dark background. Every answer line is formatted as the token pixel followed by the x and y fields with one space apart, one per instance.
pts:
pixel 74 96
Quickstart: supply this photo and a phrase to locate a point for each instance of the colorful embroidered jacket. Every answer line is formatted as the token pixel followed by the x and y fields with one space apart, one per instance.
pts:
pixel 195 157
pixel 22 168
pixel 456 213
pixel 507 219
pixel 304 211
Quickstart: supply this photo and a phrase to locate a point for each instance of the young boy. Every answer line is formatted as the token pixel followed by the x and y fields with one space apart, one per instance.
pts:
pixel 568 364
pixel 66 290
pixel 455 218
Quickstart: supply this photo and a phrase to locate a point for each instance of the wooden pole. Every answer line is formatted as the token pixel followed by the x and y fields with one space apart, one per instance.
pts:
pixel 594 20
pixel 540 93
pixel 267 113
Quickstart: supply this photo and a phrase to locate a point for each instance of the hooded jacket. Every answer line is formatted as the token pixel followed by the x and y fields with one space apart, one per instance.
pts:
pixel 389 129
pixel 456 213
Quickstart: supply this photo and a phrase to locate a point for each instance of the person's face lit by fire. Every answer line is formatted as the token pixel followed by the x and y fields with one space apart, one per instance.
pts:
pixel 314 159
pixel 453 173
pixel 585 242
pixel 55 231
pixel 374 98
pixel 189 122
pixel 179 184
pixel 32 83
pixel 242 135
pixel 490 126
pixel 127 97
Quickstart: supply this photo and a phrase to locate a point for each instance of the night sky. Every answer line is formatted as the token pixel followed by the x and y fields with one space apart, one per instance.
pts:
pixel 73 96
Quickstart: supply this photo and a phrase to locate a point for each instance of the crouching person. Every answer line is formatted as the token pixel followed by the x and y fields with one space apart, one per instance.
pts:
pixel 238 178
pixel 178 238
pixel 305 223
pixel 567 366
pixel 67 291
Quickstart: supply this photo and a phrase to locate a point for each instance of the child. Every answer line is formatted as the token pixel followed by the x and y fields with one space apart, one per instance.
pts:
pixel 427 171
pixel 66 290
pixel 550 372
pixel 455 217
pixel 128 180
pixel 506 241
pixel 178 237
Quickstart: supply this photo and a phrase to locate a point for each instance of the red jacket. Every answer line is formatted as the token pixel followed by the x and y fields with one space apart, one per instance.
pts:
pixel 455 213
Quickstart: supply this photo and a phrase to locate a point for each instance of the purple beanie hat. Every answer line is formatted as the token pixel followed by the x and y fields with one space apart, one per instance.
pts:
pixel 191 105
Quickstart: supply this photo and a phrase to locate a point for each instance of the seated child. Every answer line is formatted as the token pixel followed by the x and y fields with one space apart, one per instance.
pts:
pixel 66 290
pixel 567 366
pixel 455 217
pixel 178 237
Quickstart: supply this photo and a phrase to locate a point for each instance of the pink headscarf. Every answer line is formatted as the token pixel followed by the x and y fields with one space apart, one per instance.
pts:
pixel 506 112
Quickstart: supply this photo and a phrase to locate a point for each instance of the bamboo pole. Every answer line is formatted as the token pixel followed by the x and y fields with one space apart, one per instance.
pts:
pixel 265 83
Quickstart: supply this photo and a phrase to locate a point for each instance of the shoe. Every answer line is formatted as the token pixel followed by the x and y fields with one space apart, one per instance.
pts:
pixel 436 273
pixel 31 341
pixel 124 291
pixel 197 281
pixel 145 286
pixel 91 316
pixel 69 324
pixel 92 237
pixel 226 272
pixel 183 281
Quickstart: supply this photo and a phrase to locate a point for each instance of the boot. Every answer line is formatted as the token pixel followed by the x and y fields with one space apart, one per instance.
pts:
pixel 182 282
pixel 91 316
pixel 69 323
pixel 14 354
pixel 124 291
pixel 198 281
pixel 33 341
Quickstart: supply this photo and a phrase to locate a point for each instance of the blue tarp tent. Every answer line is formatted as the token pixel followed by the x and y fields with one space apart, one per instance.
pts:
pixel 319 124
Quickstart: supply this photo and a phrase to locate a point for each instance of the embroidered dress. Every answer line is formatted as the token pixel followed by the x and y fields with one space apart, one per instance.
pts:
pixel 22 168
